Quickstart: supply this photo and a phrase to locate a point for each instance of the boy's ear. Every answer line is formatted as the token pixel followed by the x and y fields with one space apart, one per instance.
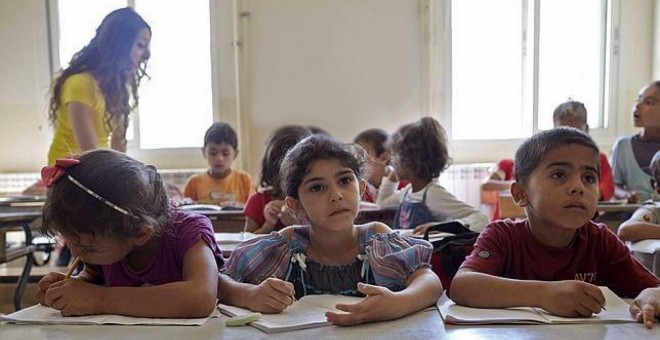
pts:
pixel 295 206
pixel 203 153
pixel 143 235
pixel 235 153
pixel 519 194
pixel 384 157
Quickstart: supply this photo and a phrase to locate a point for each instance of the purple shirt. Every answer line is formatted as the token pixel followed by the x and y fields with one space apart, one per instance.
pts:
pixel 184 230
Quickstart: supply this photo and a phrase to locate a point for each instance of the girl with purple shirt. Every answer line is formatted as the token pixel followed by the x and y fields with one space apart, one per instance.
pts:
pixel 142 258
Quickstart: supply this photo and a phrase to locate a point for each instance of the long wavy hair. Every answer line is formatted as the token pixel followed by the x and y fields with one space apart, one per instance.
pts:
pixel 107 58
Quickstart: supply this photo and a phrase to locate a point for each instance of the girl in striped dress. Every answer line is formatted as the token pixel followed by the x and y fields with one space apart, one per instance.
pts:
pixel 330 254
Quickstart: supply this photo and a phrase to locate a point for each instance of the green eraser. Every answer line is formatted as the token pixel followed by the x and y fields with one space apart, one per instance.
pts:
pixel 242 320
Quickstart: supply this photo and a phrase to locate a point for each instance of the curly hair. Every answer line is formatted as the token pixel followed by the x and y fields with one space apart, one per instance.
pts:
pixel 106 58
pixel 531 151
pixel 277 145
pixel 298 161
pixel 421 147
pixel 116 177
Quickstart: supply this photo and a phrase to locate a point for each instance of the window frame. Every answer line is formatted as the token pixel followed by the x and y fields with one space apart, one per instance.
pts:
pixel 467 151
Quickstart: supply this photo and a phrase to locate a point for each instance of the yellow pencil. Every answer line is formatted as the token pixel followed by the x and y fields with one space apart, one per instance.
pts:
pixel 73 267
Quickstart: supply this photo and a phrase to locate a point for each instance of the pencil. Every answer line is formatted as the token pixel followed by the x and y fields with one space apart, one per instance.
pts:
pixel 73 267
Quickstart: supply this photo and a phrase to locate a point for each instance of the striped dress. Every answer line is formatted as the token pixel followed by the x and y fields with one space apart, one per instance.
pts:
pixel 384 260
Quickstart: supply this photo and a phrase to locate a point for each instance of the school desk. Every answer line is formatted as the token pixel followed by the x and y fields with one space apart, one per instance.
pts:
pixel 233 221
pixel 647 252
pixel 10 220
pixel 424 325
pixel 508 209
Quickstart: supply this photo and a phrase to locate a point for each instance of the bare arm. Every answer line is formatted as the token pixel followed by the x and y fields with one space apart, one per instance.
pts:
pixel 195 296
pixel 635 231
pixel 568 298
pixel 494 182
pixel 82 123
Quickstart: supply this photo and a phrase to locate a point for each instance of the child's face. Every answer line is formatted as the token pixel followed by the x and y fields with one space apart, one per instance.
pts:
pixel 219 157
pixel 375 165
pixel 562 191
pixel 646 111
pixel 329 195
pixel 577 123
pixel 98 249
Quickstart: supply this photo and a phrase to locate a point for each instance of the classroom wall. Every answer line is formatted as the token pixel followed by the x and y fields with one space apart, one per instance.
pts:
pixel 24 81
pixel 367 72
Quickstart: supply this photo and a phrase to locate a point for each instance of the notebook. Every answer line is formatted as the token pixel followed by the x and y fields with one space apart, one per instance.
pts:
pixel 308 312
pixel 451 313
pixel 42 315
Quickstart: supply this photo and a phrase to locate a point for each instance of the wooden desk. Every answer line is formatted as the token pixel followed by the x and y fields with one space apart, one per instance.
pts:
pixel 509 209
pixel 233 221
pixel 424 325
pixel 9 220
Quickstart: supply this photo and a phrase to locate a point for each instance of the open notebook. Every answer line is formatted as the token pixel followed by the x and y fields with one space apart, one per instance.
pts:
pixel 41 315
pixel 308 312
pixel 617 311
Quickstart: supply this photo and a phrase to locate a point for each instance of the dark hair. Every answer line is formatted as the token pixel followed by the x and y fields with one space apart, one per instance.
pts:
pixel 220 133
pixel 277 145
pixel 299 159
pixel 107 57
pixel 655 167
pixel 116 177
pixel 376 138
pixel 422 148
pixel 532 150
pixel 570 110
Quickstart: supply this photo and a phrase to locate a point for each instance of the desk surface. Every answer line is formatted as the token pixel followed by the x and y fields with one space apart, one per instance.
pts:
pixel 424 325
pixel 14 217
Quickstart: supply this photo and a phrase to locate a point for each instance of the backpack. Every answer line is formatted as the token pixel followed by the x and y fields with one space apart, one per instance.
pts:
pixel 450 251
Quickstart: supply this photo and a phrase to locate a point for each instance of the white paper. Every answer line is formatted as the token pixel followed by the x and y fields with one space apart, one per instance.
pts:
pixel 39 314
pixel 645 246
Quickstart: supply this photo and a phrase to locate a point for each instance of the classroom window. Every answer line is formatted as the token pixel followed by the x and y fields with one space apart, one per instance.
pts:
pixel 514 61
pixel 176 104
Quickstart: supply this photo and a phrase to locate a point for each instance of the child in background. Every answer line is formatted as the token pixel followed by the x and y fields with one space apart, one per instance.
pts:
pixel 631 155
pixel 573 114
pixel 499 179
pixel 645 222
pixel 556 258
pixel 142 258
pixel 374 142
pixel 331 255
pixel 419 153
pixel 220 185
pixel 265 210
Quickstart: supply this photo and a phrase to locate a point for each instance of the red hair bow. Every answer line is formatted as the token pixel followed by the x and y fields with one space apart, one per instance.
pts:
pixel 52 173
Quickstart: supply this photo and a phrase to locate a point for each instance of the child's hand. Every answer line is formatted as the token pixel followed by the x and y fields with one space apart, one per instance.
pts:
pixel 271 296
pixel 379 304
pixel 272 211
pixel 573 299
pixel 633 197
pixel 74 297
pixel 391 174
pixel 646 306
pixel 287 216
pixel 45 283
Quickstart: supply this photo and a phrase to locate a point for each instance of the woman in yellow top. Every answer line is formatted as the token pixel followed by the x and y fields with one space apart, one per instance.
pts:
pixel 90 100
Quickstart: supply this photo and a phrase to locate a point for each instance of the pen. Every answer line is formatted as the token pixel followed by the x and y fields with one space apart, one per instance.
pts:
pixel 72 268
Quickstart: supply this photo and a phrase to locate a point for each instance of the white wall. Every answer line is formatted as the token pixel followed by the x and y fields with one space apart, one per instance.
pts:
pixel 24 81
pixel 344 65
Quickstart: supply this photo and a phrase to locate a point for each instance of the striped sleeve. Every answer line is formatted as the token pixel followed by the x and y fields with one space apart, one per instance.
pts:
pixel 393 258
pixel 256 260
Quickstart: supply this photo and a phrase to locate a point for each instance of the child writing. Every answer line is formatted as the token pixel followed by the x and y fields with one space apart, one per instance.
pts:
pixel 556 258
pixel 645 221
pixel 331 255
pixel 265 210
pixel 419 152
pixel 220 184
pixel 141 257
pixel 631 155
